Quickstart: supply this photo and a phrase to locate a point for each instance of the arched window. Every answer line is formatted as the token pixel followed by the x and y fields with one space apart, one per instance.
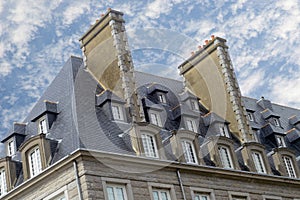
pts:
pixel 34 161
pixel 225 157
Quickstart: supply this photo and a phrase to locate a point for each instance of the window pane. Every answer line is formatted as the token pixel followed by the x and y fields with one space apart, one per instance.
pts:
pixel 110 193
pixel 258 162
pixel 225 157
pixel 119 194
pixel 3 186
pixel 155 195
pixel 149 145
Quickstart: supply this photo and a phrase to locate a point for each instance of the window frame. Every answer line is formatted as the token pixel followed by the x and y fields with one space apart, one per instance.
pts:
pixel 153 143
pixel 224 131
pixel 191 149
pixel 37 161
pixel 42 126
pixel 287 168
pixel 158 118
pixel 58 193
pixel 117 182
pixel 228 157
pixel 3 182
pixel 259 163
pixel 194 105
pixel 121 116
pixel 280 141
pixel 11 151
pixel 276 121
pixel 234 195
pixel 192 126
pixel 271 197
pixel 162 98
pixel 250 116
pixel 160 186
pixel 209 192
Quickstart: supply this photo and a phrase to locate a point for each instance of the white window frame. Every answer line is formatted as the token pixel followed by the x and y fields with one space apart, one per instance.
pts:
pixel 149 145
pixel 225 157
pixel 34 161
pixel 11 147
pixel 189 152
pixel 162 187
pixel 114 189
pixel 289 166
pixel 62 192
pixel 43 126
pixel 259 163
pixel 191 125
pixel 117 112
pixel 280 141
pixel 250 116
pixel 202 191
pixel 123 183
pixel 159 193
pixel 194 105
pixel 276 122
pixel 224 130
pixel 3 183
pixel 155 118
pixel 269 197
pixel 162 98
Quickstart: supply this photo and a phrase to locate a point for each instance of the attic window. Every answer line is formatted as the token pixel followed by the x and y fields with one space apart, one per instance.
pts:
pixel 34 161
pixel 250 116
pixel 11 150
pixel 288 163
pixel 117 112
pixel 224 131
pixel 194 105
pixel 276 122
pixel 43 125
pixel 162 98
pixel 155 118
pixel 280 141
pixel 191 125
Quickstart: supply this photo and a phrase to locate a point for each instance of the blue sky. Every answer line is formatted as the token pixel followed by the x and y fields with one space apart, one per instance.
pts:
pixel 37 37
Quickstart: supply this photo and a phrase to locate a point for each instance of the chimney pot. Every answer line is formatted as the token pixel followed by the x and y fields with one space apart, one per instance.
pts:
pixel 206 42
pixel 199 47
pixel 108 9
pixel 212 37
pixel 102 15
pixel 192 53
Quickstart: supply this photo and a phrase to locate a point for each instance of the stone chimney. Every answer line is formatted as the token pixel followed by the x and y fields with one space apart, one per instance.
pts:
pixel 107 57
pixel 209 74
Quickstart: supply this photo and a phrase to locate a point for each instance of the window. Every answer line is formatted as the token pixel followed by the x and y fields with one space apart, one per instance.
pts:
pixel 34 160
pixel 116 192
pixel 191 125
pixel 276 122
pixel 224 131
pixel 238 196
pixel 43 126
pixel 162 98
pixel 225 157
pixel 149 145
pixel 201 197
pixel 288 163
pixel 258 162
pixel 11 148
pixel 161 194
pixel 250 116
pixel 189 152
pixel 117 112
pixel 155 119
pixel 3 186
pixel 194 105
pixel 280 141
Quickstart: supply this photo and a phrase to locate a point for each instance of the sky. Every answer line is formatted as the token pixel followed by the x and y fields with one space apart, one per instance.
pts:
pixel 38 37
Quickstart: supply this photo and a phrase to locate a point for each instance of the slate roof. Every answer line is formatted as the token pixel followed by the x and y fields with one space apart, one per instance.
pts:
pixel 83 122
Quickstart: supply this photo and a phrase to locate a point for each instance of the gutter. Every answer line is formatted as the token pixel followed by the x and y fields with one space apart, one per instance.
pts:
pixel 77 180
pixel 180 183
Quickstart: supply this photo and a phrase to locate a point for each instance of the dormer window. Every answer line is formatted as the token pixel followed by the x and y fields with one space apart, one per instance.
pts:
pixel 11 150
pixel 224 131
pixel 225 157
pixel 3 185
pixel 117 112
pixel 162 98
pixel 149 145
pixel 191 125
pixel 258 162
pixel 189 152
pixel 43 125
pixel 280 141
pixel 194 105
pixel 250 116
pixel 34 161
pixel 155 118
pixel 288 163
pixel 276 121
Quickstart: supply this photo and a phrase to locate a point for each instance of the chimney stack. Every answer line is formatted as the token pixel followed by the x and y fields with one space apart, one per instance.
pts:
pixel 209 74
pixel 107 57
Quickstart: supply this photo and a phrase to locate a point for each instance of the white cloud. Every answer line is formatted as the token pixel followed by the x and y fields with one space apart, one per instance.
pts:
pixel 158 7
pixel 252 82
pixel 5 68
pixel 75 10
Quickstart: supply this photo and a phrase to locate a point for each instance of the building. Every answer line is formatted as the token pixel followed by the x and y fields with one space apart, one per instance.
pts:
pixel 104 131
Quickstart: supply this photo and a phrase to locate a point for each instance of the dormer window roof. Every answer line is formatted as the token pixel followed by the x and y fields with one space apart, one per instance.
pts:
pixel 108 95
pixel 48 107
pixel 212 117
pixel 267 113
pixel 294 120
